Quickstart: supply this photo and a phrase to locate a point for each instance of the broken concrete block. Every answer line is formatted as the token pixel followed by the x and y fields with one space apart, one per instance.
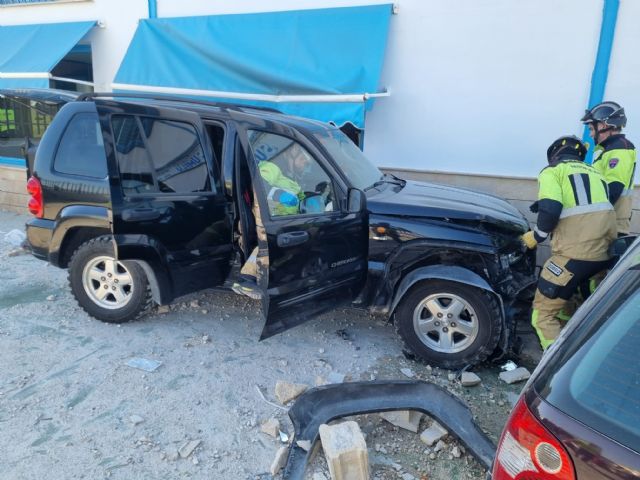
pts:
pixel 433 434
pixel 514 376
pixel 456 452
pixel 407 372
pixel 407 419
pixel 470 379
pixel 304 444
pixel 271 427
pixel 285 391
pixel 280 460
pixel 188 448
pixel 136 419
pixel 345 450
pixel 439 446
pixel 163 309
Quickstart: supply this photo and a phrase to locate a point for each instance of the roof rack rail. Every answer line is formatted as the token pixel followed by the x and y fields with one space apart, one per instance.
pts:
pixel 172 98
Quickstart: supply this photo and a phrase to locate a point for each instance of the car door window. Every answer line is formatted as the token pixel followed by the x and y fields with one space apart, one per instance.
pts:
pixel 81 151
pixel 292 179
pixel 157 155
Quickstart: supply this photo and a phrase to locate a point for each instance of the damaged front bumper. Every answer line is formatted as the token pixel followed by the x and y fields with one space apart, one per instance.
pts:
pixel 324 404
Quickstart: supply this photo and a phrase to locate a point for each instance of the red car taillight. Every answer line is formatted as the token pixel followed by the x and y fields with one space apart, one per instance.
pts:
pixel 36 207
pixel 527 450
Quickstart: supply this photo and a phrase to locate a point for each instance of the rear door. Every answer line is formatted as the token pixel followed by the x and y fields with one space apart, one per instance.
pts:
pixel 312 259
pixel 168 204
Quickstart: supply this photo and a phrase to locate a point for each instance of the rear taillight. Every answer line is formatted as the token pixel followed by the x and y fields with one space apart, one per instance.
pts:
pixel 527 450
pixel 34 188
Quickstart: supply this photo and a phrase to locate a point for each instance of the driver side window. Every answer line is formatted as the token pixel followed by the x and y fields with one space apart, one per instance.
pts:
pixel 292 179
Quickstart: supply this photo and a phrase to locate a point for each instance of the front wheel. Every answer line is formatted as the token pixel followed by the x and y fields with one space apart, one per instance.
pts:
pixel 448 324
pixel 108 289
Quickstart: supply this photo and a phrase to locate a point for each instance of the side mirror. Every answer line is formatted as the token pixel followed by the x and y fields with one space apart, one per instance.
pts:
pixel 356 201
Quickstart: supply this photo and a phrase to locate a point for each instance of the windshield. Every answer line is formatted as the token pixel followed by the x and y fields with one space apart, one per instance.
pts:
pixel 357 168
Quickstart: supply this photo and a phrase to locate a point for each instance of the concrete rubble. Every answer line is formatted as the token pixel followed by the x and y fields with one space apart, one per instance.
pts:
pixel 470 379
pixel 514 376
pixel 407 419
pixel 345 451
pixel 286 392
pixel 433 434
pixel 271 427
pixel 279 461
pixel 188 448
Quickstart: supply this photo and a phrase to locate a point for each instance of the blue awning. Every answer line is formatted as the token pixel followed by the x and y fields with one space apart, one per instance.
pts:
pixel 306 58
pixel 30 52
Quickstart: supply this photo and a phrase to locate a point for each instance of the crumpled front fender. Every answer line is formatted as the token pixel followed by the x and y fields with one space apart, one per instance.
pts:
pixel 324 404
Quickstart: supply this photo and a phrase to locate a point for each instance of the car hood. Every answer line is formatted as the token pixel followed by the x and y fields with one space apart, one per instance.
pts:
pixel 429 200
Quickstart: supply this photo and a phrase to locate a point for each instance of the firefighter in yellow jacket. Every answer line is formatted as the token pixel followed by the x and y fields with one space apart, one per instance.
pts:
pixel 575 212
pixel 614 157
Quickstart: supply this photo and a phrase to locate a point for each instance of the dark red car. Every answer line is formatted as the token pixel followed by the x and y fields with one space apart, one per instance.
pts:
pixel 578 418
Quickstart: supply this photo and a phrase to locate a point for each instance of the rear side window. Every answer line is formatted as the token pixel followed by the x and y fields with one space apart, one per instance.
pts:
pixel 81 151
pixel 599 384
pixel 159 156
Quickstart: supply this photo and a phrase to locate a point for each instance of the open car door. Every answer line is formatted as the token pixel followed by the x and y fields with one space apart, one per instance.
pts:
pixel 167 202
pixel 313 248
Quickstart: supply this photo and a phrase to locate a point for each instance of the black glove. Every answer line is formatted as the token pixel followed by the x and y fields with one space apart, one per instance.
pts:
pixel 534 207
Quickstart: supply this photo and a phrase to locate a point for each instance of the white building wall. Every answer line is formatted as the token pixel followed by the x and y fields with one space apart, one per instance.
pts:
pixel 623 85
pixel 477 86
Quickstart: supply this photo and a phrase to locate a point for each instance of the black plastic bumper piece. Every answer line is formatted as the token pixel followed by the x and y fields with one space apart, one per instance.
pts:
pixel 324 404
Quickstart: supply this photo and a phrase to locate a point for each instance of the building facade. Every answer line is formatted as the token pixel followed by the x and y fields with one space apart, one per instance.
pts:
pixel 477 90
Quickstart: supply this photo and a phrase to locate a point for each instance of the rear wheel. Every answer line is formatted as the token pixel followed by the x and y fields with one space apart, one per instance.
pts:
pixel 110 290
pixel 448 324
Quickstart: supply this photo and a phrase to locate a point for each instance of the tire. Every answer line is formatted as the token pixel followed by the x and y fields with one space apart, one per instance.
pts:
pixel 107 289
pixel 468 337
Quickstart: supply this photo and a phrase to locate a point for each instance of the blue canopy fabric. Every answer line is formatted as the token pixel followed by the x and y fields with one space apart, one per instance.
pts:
pixel 36 49
pixel 302 52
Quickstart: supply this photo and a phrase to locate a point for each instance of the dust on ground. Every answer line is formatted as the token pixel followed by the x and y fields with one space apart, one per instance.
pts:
pixel 71 407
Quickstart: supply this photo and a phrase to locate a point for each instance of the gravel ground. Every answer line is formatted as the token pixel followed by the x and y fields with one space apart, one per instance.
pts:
pixel 71 407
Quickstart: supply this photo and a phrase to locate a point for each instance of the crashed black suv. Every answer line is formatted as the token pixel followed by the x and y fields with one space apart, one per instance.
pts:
pixel 145 199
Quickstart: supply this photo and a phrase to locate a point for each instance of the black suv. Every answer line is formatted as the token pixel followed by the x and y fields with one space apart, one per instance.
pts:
pixel 145 199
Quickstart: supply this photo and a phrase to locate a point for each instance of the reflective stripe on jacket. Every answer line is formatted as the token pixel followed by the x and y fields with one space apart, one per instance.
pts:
pixel 586 225
pixel 615 159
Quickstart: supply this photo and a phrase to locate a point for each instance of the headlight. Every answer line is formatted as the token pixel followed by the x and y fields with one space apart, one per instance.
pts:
pixel 509 259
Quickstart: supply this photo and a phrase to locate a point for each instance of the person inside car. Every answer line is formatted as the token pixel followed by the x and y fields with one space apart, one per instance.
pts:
pixel 284 197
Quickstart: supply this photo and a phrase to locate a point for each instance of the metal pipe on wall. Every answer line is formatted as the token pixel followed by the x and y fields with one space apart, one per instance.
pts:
pixel 153 9
pixel 601 67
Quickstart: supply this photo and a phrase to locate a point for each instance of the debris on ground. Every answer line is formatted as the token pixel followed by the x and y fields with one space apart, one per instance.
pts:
pixel 508 366
pixel 433 434
pixel 515 376
pixel 162 309
pixel 304 444
pixel 470 379
pixel 279 461
pixel 271 427
pixel 136 419
pixel 144 364
pixel 407 419
pixel 188 448
pixel 345 450
pixel 15 237
pixel 407 372
pixel 286 392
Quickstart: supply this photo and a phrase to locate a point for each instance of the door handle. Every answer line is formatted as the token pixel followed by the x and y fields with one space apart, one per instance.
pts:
pixel 140 214
pixel 292 238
